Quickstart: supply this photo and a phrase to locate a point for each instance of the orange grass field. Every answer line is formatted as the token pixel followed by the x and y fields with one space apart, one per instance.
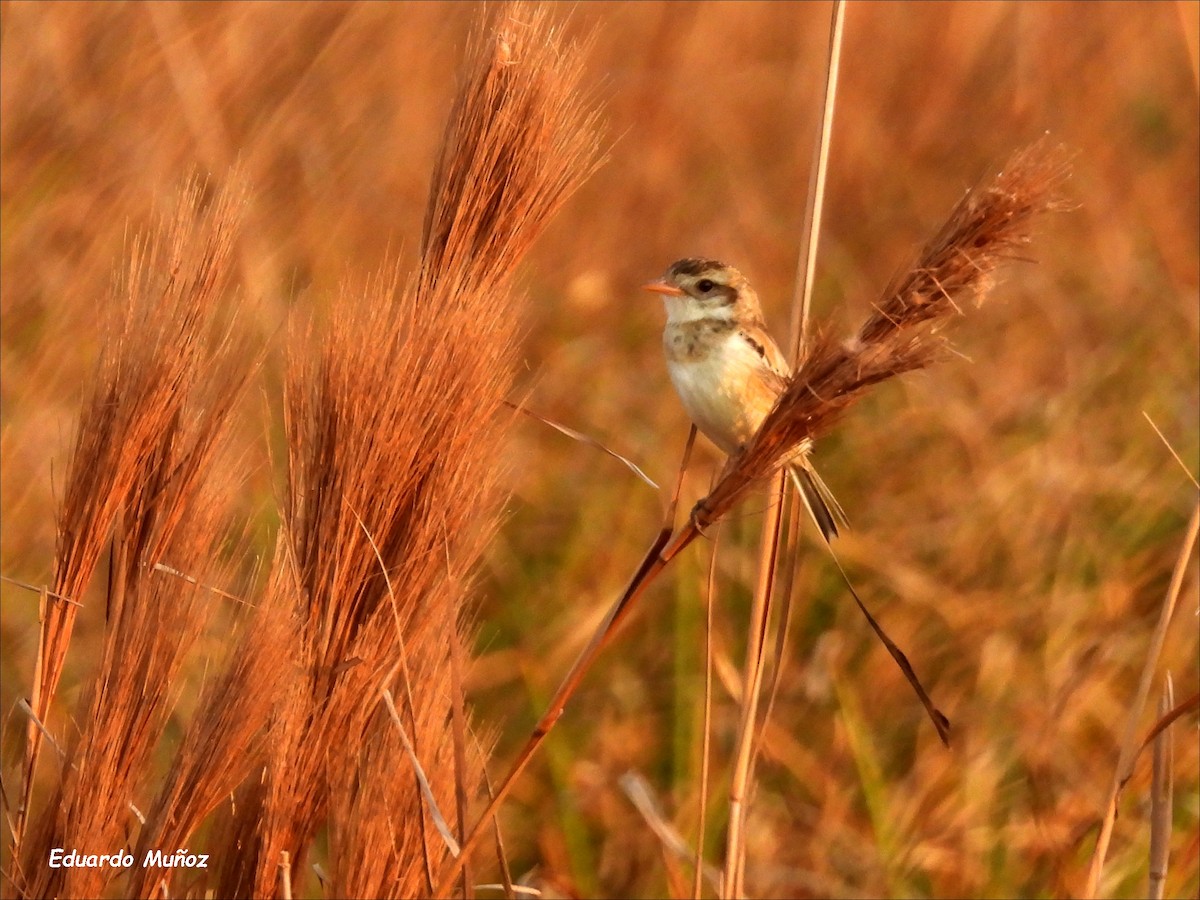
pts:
pixel 1017 510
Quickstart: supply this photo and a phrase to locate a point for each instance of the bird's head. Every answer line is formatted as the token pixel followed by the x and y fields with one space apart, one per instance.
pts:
pixel 704 289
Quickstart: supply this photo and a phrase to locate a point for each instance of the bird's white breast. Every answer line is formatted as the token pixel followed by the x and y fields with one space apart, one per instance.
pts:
pixel 717 375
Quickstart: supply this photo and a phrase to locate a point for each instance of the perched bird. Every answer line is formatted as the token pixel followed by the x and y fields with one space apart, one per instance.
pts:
pixel 728 371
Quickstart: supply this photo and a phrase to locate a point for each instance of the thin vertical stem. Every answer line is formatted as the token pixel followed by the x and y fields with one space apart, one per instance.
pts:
pixel 1161 789
pixel 706 741
pixel 742 776
pixel 760 614
pixel 802 301
pixel 1129 749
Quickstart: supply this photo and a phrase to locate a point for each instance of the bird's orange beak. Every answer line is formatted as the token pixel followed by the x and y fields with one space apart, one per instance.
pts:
pixel 662 287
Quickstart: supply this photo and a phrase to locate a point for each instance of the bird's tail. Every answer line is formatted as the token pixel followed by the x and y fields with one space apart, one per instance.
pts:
pixel 826 512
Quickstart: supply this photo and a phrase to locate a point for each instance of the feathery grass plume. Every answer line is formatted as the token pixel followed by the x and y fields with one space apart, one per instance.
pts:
pixel 169 516
pixel 392 420
pixel 520 139
pixel 138 440
pixel 987 226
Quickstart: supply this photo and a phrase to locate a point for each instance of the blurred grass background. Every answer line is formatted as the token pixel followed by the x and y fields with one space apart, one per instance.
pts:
pixel 1015 518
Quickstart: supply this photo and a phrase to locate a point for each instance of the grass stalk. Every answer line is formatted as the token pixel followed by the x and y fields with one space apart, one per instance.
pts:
pixel 706 726
pixel 815 205
pixel 1128 752
pixel 756 642
pixel 771 549
pixel 1161 794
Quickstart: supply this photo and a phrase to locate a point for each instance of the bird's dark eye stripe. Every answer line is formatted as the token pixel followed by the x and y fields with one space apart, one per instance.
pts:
pixel 704 285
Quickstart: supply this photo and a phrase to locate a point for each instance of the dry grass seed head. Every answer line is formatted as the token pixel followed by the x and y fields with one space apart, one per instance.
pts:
pixel 163 392
pixel 986 227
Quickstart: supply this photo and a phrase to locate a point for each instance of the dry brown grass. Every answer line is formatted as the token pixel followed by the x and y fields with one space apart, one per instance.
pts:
pixel 393 412
pixel 393 415
pixel 163 391
pixel 1014 519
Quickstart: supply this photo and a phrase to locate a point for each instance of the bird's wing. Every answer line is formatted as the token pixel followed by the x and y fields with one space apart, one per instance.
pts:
pixel 757 336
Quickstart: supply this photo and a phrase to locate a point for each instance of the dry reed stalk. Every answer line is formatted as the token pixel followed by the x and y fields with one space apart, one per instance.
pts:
pixel 772 550
pixel 740 779
pixel 815 203
pixel 1161 791
pixel 163 394
pixel 798 335
pixel 1129 749
pixel 710 592
pixel 984 228
pixel 392 421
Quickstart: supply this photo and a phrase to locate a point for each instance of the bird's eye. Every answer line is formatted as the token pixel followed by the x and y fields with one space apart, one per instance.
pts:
pixel 704 285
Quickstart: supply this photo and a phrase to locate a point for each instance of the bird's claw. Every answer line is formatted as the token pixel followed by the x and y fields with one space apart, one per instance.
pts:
pixel 701 520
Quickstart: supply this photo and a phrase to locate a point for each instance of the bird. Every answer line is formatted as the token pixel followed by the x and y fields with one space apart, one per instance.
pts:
pixel 728 371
